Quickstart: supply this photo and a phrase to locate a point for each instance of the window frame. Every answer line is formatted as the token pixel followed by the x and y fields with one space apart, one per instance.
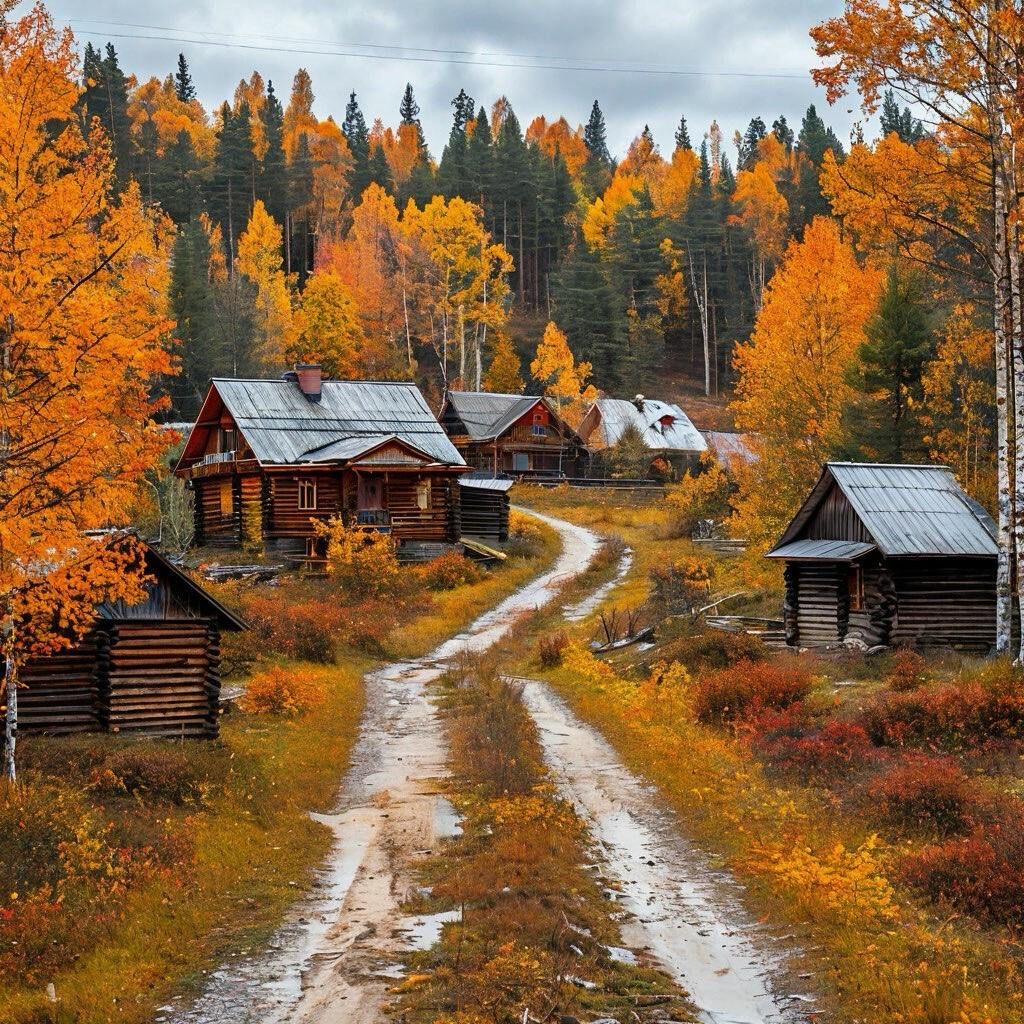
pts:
pixel 305 487
pixel 855 586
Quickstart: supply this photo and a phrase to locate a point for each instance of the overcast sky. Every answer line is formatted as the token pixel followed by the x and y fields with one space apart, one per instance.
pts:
pixel 763 37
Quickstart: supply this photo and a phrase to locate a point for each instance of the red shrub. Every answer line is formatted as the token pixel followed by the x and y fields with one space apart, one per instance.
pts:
pixel 819 755
pixel 982 874
pixel 450 571
pixel 932 792
pixel 906 670
pixel 551 648
pixel 748 688
pixel 282 624
pixel 367 626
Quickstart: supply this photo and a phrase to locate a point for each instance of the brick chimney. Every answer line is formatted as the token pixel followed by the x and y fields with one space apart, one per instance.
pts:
pixel 308 376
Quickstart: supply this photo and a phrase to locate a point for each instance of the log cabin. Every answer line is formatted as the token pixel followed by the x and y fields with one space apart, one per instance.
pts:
pixel 485 508
pixel 664 429
pixel 266 458
pixel 517 435
pixel 152 667
pixel 889 555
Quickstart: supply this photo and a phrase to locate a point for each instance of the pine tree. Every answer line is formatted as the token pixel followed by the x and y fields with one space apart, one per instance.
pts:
pixel 300 199
pixel 273 183
pixel 191 300
pixel 514 196
pixel 814 140
pixel 635 253
pixel 378 172
pixel 358 138
pixel 409 112
pixel 683 134
pixel 452 176
pixel 230 190
pixel 782 131
pixel 884 421
pixel 183 87
pixel 480 167
pixel 179 180
pixel 902 122
pixel 105 99
pixel 597 172
pixel 748 145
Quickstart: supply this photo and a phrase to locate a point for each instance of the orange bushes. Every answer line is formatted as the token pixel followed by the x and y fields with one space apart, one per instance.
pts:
pixel 749 688
pixel 279 690
pixel 817 755
pixel 932 792
pixel 282 623
pixel 718 649
pixel 906 672
pixel 449 572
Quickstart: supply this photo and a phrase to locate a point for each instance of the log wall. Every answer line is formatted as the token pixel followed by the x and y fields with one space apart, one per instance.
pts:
pixel 216 525
pixel 484 513
pixel 817 604
pixel 282 515
pixel 438 522
pixel 61 691
pixel 945 602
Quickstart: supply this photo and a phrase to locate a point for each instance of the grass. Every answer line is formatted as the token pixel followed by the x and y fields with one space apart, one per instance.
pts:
pixel 532 917
pixel 210 877
pixel 810 862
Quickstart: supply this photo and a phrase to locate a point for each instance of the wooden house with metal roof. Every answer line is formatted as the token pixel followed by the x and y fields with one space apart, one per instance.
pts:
pixel 268 457
pixel 516 435
pixel 152 667
pixel 888 554
pixel 662 427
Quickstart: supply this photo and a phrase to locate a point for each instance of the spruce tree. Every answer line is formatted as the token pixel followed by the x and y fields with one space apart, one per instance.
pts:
pixel 782 132
pixel 105 99
pixel 683 134
pixel 409 111
pixel 480 167
pixel 183 87
pixel 378 172
pixel 452 177
pixel 514 195
pixel 179 180
pixel 358 138
pixel 634 245
pixel 191 302
pixel 748 146
pixel 300 200
pixel 598 168
pixel 902 122
pixel 230 190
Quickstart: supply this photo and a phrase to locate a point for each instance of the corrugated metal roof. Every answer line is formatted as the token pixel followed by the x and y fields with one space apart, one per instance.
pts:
pixel 680 435
pixel 823 550
pixel 907 510
pixel 486 415
pixel 728 445
pixel 283 427
pixel 480 484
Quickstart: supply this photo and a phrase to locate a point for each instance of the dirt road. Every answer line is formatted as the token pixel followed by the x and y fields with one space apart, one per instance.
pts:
pixel 334 960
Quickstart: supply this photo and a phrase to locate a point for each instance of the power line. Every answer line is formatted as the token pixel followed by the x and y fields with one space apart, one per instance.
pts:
pixel 412 57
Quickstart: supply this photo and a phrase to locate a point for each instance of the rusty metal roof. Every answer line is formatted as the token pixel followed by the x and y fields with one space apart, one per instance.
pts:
pixel 283 427
pixel 907 510
pixel 617 414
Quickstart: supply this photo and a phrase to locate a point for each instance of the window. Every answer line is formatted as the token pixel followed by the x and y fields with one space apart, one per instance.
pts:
pixel 227 498
pixel 855 584
pixel 538 424
pixel 520 462
pixel 423 495
pixel 227 439
pixel 307 495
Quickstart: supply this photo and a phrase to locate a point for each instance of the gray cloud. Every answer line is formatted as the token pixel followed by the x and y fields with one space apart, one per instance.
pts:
pixel 741 36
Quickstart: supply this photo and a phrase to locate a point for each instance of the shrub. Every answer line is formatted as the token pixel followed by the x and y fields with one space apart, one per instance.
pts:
pixel 281 690
pixel 981 874
pixel 930 792
pixel 718 649
pixel 681 586
pixel 284 624
pixel 359 561
pixel 450 571
pixel 525 536
pixel 368 626
pixel 550 649
pixel 818 755
pixel 748 688
pixel 906 671
pixel 698 496
pixel 155 771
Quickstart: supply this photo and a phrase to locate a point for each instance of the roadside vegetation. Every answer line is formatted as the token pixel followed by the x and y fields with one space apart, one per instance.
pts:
pixel 536 934
pixel 872 806
pixel 135 866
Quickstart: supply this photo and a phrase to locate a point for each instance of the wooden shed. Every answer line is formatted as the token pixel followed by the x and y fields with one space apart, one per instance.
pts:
pixel 266 458
pixel 485 508
pixel 151 667
pixel 518 435
pixel 888 554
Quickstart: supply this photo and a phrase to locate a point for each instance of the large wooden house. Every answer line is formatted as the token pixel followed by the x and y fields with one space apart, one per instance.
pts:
pixel 517 435
pixel 883 554
pixel 268 457
pixel 152 667
pixel 664 429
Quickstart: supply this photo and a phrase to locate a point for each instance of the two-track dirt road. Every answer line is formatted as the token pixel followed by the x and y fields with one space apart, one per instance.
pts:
pixel 333 961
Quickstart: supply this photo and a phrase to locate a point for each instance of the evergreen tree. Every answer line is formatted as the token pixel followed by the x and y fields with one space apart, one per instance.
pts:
pixel 748 145
pixel 884 423
pixel 585 306
pixel 230 190
pixel 902 122
pixel 782 131
pixel 377 170
pixel 358 138
pixel 683 135
pixel 598 169
pixel 300 201
pixel 147 162
pixel 183 87
pixel 273 183
pixel 814 140
pixel 105 99
pixel 704 169
pixel 179 180
pixel 635 254
pixel 480 167
pixel 452 177
pixel 409 111
pixel 191 302
pixel 513 196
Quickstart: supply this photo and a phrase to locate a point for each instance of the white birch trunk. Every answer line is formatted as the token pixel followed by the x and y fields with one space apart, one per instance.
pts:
pixel 702 308
pixel 10 771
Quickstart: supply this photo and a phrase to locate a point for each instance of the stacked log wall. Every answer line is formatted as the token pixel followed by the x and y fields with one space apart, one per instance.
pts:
pixel 60 694
pixel 817 604
pixel 485 513
pixel 438 522
pixel 945 602
pixel 284 518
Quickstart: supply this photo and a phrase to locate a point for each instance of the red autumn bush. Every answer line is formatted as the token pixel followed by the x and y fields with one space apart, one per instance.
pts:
pixel 282 690
pixel 982 874
pixel 551 648
pixel 953 716
pixel 450 571
pixel 368 626
pixel 818 755
pixel 749 688
pixel 929 792
pixel 282 623
pixel 906 671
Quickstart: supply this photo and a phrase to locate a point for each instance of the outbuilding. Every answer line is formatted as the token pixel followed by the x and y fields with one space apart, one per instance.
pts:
pixel 889 554
pixel 152 667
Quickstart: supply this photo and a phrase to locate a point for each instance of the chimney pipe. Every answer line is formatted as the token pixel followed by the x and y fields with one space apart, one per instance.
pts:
pixel 308 376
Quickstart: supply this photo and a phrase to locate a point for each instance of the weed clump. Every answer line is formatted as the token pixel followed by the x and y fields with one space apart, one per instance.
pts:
pixel 155 772
pixel 449 572
pixel 551 648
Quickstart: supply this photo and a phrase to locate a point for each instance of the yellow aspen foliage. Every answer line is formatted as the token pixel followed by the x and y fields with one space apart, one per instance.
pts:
pixel 558 137
pixel 601 213
pixel 157 101
pixel 505 373
pixel 792 384
pixel 764 212
pixel 254 93
pixel 671 189
pixel 298 115
pixel 83 338
pixel 562 377
pixel 332 165
pixel 259 259
pixel 327 329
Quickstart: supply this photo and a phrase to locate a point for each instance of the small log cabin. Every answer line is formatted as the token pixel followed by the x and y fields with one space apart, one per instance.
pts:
pixel 266 458
pixel 888 555
pixel 151 667
pixel 485 508
pixel 665 429
pixel 520 435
